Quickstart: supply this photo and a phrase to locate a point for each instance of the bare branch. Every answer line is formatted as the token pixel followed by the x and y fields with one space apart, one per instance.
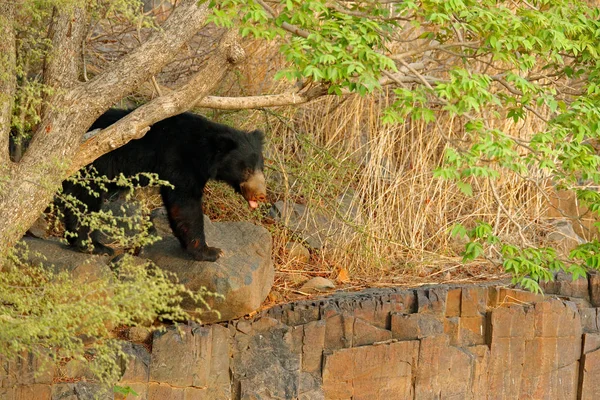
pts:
pixel 125 75
pixel 287 26
pixel 7 77
pixel 305 95
pixel 293 98
pixel 414 71
pixel 67 32
pixel 274 100
pixel 136 124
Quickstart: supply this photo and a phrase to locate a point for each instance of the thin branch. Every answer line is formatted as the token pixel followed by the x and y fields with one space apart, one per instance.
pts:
pixel 155 84
pixel 285 25
pixel 344 10
pixel 506 212
pixel 414 71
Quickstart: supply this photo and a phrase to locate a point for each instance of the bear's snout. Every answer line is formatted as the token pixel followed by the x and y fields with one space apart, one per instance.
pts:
pixel 254 189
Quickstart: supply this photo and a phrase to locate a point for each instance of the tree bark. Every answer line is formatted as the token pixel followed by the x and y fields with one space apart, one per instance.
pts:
pixel 7 80
pixel 56 148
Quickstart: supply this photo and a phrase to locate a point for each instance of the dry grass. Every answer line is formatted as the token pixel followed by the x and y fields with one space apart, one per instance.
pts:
pixel 399 215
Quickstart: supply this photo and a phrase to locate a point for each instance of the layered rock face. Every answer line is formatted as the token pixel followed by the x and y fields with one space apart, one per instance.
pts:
pixel 467 342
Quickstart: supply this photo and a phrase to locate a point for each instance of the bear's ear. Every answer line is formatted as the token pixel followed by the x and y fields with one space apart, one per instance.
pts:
pixel 257 135
pixel 224 144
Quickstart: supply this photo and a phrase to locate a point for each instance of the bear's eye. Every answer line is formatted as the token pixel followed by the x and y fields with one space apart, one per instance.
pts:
pixel 244 169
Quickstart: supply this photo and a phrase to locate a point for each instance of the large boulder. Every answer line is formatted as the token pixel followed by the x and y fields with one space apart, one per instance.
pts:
pixel 243 275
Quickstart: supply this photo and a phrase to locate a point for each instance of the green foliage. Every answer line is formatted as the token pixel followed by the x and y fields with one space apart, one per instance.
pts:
pixel 478 236
pixel 125 391
pixel 343 48
pixel 506 62
pixel 115 226
pixel 535 49
pixel 47 312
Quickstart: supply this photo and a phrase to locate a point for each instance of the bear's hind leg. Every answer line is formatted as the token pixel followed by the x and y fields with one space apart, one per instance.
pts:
pixel 82 237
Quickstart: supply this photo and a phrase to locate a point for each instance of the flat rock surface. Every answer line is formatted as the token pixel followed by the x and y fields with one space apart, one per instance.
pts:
pixel 243 274
pixel 52 253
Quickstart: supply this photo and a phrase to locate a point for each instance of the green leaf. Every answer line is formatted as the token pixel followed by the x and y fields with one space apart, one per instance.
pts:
pixel 465 188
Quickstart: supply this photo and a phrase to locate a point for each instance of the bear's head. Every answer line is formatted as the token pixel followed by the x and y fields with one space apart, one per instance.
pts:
pixel 241 165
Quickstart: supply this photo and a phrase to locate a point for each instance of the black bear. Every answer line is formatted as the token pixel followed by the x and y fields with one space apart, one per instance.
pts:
pixel 187 150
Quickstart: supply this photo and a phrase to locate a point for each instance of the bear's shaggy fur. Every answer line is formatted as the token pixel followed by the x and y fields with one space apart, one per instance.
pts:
pixel 187 150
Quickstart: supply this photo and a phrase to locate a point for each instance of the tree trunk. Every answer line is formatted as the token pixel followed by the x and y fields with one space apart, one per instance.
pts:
pixel 7 79
pixel 57 149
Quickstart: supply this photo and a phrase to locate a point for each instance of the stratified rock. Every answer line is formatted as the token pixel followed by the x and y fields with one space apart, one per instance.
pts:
pixel 432 300
pixel 594 287
pixel 590 363
pixel 196 357
pixel 415 326
pixel 504 296
pixel 590 381
pixel 312 346
pixel 453 300
pixel 551 359
pixel 27 369
pixel 564 285
pixel 365 333
pixel 382 371
pixel 32 392
pixel 510 329
pixel 136 367
pixel 265 361
pixel 444 369
pixel 589 319
pixel 243 274
pixel 81 391
pixel 77 369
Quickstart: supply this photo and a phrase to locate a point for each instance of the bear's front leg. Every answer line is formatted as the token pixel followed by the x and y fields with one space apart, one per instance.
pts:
pixel 187 223
pixel 204 253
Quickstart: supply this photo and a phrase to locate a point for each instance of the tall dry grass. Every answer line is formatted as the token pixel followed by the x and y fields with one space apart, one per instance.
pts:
pixel 400 215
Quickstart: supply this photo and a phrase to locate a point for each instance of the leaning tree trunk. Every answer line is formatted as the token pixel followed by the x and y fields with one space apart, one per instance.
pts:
pixel 57 149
